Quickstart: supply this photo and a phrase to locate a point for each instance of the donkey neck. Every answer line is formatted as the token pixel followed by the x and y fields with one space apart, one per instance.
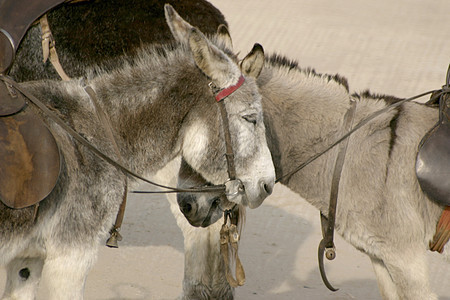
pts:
pixel 146 102
pixel 148 117
pixel 303 113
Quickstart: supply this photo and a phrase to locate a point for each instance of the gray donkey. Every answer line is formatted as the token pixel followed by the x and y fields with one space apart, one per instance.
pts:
pixel 382 210
pixel 160 105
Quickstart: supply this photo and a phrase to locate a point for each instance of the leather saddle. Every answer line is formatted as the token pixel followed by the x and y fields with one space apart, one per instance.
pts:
pixel 433 158
pixel 16 16
pixel 29 156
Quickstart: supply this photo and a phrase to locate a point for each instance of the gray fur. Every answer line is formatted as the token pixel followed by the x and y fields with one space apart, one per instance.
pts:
pixel 381 208
pixel 155 102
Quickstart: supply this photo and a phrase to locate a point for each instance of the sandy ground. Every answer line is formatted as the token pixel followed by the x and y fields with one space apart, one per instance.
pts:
pixel 392 47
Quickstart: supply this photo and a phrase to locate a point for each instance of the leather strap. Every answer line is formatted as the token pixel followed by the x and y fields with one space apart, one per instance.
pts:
pixel 16 16
pixel 229 154
pixel 55 118
pixel 49 49
pixel 222 94
pixel 327 243
pixel 362 123
pixel 115 236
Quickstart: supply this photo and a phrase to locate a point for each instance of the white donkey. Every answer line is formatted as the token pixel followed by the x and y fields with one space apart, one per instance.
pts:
pixel 159 105
pixel 381 209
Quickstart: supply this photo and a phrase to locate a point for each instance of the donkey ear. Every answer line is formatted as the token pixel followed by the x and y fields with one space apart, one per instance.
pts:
pixel 253 63
pixel 212 61
pixel 178 26
pixel 224 37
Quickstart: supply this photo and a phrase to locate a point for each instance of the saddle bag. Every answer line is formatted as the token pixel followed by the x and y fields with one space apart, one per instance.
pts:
pixel 433 158
pixel 29 156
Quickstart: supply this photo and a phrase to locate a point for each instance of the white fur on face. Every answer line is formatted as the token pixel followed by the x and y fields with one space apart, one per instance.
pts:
pixel 195 142
pixel 253 160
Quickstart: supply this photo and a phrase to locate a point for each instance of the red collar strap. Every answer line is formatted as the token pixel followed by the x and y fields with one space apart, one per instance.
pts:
pixel 229 90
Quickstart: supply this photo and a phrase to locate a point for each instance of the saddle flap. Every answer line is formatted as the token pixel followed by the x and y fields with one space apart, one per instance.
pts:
pixel 11 102
pixel 433 164
pixel 29 160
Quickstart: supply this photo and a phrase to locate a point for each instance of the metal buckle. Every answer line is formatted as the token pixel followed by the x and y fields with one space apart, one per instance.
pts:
pixel 214 88
pixel 233 187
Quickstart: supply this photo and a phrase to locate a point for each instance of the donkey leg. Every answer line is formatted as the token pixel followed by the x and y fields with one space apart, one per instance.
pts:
pixel 387 288
pixel 409 273
pixel 196 275
pixel 66 271
pixel 23 276
pixel 196 281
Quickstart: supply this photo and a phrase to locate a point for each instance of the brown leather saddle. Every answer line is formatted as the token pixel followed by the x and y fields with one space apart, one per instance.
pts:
pixel 16 16
pixel 29 156
pixel 433 158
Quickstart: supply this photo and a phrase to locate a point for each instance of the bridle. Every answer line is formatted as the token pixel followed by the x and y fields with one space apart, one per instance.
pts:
pixel 232 184
pixel 220 96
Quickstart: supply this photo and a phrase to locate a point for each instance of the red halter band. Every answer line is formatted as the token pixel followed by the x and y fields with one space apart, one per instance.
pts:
pixel 229 90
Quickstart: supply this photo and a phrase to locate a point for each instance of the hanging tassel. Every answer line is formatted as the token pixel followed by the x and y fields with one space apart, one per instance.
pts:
pixel 442 234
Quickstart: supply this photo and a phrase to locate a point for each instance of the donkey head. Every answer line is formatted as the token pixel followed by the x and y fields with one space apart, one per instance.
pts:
pixel 203 136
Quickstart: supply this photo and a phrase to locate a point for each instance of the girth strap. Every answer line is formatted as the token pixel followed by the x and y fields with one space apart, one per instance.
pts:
pixel 115 235
pixel 327 244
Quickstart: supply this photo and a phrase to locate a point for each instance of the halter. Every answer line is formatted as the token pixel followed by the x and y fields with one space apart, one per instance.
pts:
pixel 229 235
pixel 233 185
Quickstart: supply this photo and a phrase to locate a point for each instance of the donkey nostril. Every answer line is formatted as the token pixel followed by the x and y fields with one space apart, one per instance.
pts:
pixel 186 208
pixel 24 273
pixel 268 188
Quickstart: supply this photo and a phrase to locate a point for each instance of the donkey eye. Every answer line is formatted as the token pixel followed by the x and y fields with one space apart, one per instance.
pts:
pixel 251 118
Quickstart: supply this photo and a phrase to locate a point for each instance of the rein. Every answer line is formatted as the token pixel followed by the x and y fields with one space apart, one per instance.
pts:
pixel 326 245
pixel 436 94
pixel 54 117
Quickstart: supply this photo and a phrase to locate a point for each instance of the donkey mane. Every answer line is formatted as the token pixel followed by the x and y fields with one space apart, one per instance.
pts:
pixel 281 61
pixel 367 94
